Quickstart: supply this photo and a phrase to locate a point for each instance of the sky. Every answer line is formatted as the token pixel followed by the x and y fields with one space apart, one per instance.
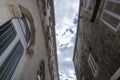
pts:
pixel 66 17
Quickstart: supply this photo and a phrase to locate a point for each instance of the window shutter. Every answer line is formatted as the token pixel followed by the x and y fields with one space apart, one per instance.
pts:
pixel 7 34
pixel 8 67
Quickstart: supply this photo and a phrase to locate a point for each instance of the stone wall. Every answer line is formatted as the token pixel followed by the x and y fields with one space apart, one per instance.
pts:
pixel 102 42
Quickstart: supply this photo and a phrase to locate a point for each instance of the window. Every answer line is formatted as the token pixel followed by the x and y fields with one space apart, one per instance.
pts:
pixel 92 65
pixel 25 26
pixel 13 45
pixel 41 73
pixel 38 77
pixel 7 34
pixel 9 65
pixel 111 14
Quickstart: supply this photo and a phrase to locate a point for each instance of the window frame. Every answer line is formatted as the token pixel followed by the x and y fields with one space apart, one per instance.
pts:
pixel 27 25
pixel 24 43
pixel 19 37
pixel 111 14
pixel 38 77
pixel 116 75
pixel 93 65
pixel 7 51
pixel 8 27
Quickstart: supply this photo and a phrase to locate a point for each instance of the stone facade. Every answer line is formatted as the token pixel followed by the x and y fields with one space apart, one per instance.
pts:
pixel 98 39
pixel 41 55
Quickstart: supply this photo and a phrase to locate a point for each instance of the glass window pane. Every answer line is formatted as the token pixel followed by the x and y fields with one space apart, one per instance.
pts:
pixel 25 28
pixel 113 7
pixel 110 20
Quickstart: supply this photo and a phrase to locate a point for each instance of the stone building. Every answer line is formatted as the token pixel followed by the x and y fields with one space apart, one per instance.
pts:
pixel 97 46
pixel 27 40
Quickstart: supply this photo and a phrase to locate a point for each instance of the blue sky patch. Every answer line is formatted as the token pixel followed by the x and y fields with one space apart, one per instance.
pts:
pixel 75 21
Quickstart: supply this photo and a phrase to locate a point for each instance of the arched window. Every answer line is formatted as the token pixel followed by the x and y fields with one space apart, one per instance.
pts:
pixel 41 73
pixel 13 45
pixel 27 17
pixel 15 35
pixel 25 26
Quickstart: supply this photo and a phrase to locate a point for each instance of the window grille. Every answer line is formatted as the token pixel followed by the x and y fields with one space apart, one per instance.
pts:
pixel 7 34
pixel 9 65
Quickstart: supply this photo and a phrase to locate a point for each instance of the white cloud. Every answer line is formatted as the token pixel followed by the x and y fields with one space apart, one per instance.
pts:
pixel 68 59
pixel 58 52
pixel 75 6
pixel 65 12
pixel 70 44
